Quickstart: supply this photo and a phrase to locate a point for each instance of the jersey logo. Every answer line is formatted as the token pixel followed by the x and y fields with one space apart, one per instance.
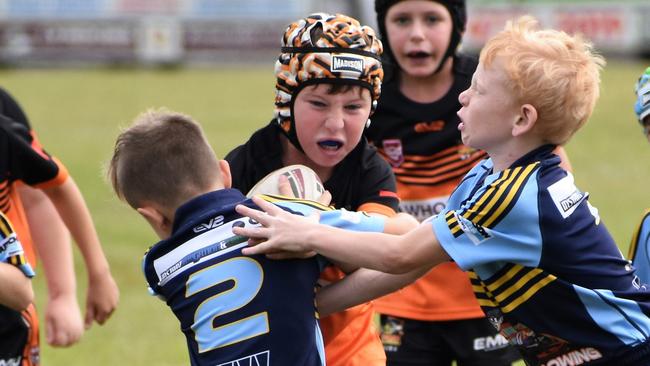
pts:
pixel 476 233
pixel 432 126
pixel 394 152
pixel 566 196
pixel 347 63
pixel 262 359
pixel 214 222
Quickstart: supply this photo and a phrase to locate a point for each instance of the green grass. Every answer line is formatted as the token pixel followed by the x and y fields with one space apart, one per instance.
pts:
pixel 77 114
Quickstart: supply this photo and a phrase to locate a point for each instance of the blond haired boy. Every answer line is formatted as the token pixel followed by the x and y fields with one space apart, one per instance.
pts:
pixel 543 266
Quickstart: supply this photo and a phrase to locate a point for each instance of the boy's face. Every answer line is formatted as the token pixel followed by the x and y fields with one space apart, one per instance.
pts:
pixel 329 126
pixel 488 109
pixel 419 32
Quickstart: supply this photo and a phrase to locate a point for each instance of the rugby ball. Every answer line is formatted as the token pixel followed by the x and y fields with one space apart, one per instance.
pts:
pixel 304 183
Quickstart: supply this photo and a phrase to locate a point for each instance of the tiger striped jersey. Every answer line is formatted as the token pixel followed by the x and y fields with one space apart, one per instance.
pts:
pixel 236 309
pixel 543 266
pixel 422 143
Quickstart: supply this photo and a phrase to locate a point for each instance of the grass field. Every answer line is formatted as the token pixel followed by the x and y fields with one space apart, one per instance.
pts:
pixel 77 114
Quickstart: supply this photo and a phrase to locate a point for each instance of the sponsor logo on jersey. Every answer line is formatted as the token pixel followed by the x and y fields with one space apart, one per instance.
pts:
pixel 258 359
pixel 392 331
pixel 424 209
pixel 575 357
pixel 490 343
pixel 566 196
pixel 346 63
pixel 394 152
pixel 213 223
pixel 431 126
pixel 477 234
pixel 10 361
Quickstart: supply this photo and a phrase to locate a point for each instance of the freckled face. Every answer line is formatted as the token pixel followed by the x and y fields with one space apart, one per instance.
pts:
pixel 329 126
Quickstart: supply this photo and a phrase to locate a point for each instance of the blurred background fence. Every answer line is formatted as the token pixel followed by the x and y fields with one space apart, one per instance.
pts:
pixel 177 32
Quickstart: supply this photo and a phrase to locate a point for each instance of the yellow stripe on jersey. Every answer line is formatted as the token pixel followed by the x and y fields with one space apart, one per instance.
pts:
pixel 276 199
pixel 452 223
pixel 495 201
pixel 5 226
pixel 507 289
pixel 17 260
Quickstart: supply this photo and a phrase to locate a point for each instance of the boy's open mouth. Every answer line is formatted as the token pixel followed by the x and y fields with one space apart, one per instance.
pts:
pixel 332 145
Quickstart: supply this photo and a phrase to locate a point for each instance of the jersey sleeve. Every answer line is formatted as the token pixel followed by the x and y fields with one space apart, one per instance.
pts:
pixel 497 223
pixel 378 189
pixel 26 160
pixel 640 249
pixel 11 250
pixel 343 219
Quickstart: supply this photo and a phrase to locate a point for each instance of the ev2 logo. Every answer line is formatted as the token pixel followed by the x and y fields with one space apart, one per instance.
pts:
pixel 213 223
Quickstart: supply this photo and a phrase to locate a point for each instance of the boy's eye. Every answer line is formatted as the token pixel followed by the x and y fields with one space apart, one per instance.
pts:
pixel 353 107
pixel 316 103
pixel 402 20
pixel 431 19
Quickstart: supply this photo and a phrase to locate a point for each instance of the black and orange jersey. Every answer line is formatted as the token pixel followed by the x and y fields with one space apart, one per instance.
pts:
pixel 22 160
pixel 362 181
pixel 422 143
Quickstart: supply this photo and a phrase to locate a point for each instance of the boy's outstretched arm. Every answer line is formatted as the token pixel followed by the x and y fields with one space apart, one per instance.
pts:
pixel 103 294
pixel 63 323
pixel 282 231
pixel 362 286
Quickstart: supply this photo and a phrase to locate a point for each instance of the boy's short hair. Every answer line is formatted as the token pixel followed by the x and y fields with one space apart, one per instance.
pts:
pixel 162 158
pixel 556 73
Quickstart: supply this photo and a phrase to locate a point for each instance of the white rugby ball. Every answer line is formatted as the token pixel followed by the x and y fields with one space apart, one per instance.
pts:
pixel 304 183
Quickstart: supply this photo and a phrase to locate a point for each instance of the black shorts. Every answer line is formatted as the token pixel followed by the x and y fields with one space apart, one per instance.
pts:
pixel 19 337
pixel 471 342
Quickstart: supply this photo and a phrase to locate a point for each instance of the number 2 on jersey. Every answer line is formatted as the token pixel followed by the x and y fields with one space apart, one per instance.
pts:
pixel 247 275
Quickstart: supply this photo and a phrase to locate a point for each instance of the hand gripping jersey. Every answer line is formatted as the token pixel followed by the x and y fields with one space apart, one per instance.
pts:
pixel 544 267
pixel 362 181
pixel 422 143
pixel 235 309
pixel 639 251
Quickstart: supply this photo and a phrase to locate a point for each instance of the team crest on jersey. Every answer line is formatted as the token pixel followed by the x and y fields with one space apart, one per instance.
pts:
pixel 394 152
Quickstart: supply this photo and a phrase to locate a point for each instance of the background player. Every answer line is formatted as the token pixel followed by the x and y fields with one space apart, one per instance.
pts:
pixel 328 80
pixel 544 267
pixel 437 320
pixel 232 309
pixel 27 164
pixel 639 251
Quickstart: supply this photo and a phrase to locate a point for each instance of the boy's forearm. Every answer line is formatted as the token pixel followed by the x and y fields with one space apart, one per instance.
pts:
pixel 362 286
pixel 73 211
pixel 16 290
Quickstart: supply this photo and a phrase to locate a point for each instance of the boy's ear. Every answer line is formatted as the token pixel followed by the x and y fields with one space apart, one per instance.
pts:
pixel 161 224
pixel 226 177
pixel 526 121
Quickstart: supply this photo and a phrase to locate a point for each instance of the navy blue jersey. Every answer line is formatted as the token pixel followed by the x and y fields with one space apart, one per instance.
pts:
pixel 544 267
pixel 236 309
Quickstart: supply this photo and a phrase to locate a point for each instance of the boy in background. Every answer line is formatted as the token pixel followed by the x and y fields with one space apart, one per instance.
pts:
pixel 544 268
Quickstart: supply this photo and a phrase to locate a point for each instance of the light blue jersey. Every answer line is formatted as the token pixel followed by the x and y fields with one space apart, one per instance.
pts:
pixel 544 267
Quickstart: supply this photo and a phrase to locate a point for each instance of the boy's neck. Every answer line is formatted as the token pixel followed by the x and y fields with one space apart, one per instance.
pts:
pixel 427 89
pixel 506 154
pixel 291 155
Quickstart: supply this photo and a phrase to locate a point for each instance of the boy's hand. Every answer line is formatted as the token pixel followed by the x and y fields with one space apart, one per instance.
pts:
pixel 63 325
pixel 280 231
pixel 101 299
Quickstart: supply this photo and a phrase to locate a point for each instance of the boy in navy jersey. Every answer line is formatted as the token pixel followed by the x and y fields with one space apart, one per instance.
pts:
pixel 640 246
pixel 233 309
pixel 543 266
